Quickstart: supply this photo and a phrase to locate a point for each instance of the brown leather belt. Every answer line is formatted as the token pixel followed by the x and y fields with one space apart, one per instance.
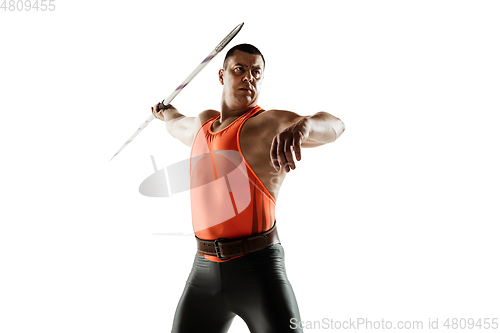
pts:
pixel 225 248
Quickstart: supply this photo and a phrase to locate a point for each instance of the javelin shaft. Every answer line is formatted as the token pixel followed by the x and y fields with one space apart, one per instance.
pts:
pixel 184 83
pixel 191 76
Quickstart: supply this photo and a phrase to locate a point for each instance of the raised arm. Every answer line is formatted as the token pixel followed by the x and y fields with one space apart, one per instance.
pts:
pixel 179 126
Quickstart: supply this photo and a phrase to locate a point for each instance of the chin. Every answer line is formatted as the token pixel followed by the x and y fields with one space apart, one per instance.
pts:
pixel 244 101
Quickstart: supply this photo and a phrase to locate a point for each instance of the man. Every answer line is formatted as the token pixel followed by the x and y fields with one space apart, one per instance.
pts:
pixel 239 159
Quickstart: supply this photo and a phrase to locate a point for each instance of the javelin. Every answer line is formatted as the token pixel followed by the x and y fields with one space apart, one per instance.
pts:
pixel 184 83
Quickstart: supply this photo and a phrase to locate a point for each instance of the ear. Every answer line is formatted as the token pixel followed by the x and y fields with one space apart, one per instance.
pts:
pixel 221 76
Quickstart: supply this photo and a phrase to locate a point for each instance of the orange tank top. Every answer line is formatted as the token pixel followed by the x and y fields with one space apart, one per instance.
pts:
pixel 228 200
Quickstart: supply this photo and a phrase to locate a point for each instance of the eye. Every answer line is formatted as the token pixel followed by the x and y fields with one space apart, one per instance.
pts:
pixel 238 69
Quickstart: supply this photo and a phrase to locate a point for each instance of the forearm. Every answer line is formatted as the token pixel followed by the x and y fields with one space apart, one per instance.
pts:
pixel 324 127
pixel 180 126
pixel 171 114
pixel 175 121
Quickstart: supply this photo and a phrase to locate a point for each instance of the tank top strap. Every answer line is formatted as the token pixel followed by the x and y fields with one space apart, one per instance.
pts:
pixel 249 114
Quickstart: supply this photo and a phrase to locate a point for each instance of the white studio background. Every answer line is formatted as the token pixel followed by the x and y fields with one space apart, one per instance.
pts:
pixel 397 220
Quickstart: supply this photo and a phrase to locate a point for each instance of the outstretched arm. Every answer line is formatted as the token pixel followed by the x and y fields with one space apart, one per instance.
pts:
pixel 322 128
pixel 302 131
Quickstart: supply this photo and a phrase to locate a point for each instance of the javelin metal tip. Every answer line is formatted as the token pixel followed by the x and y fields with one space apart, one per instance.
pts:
pixel 229 37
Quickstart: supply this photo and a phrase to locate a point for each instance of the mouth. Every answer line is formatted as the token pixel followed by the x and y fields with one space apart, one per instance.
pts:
pixel 245 89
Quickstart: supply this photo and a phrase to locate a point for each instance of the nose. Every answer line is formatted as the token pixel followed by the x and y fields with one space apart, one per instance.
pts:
pixel 248 76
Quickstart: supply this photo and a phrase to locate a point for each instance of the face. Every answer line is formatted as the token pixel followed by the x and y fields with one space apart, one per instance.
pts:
pixel 242 79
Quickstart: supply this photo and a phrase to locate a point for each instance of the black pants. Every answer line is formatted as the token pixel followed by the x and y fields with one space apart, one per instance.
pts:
pixel 254 287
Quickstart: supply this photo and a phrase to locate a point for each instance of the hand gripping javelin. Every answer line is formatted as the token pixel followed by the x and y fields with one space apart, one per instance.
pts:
pixel 184 83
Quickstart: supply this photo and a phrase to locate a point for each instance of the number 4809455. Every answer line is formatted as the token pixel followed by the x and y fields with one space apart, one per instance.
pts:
pixel 27 5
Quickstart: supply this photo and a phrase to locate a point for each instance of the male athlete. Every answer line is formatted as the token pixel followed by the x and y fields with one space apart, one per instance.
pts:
pixel 239 159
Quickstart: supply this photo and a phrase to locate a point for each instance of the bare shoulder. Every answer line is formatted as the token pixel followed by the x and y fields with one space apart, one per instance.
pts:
pixel 278 119
pixel 281 114
pixel 207 114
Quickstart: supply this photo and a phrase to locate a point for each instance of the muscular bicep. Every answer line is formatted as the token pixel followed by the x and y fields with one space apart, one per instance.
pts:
pixel 182 128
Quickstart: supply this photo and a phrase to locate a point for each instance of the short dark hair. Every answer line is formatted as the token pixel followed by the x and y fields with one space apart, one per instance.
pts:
pixel 248 48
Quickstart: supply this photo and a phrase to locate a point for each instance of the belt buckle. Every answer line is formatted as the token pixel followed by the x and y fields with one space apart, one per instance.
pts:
pixel 217 250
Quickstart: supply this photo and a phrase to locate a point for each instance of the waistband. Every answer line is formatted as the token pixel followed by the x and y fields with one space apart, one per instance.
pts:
pixel 225 248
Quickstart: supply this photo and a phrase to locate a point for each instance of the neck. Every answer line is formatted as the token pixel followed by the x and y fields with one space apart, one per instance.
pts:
pixel 234 111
